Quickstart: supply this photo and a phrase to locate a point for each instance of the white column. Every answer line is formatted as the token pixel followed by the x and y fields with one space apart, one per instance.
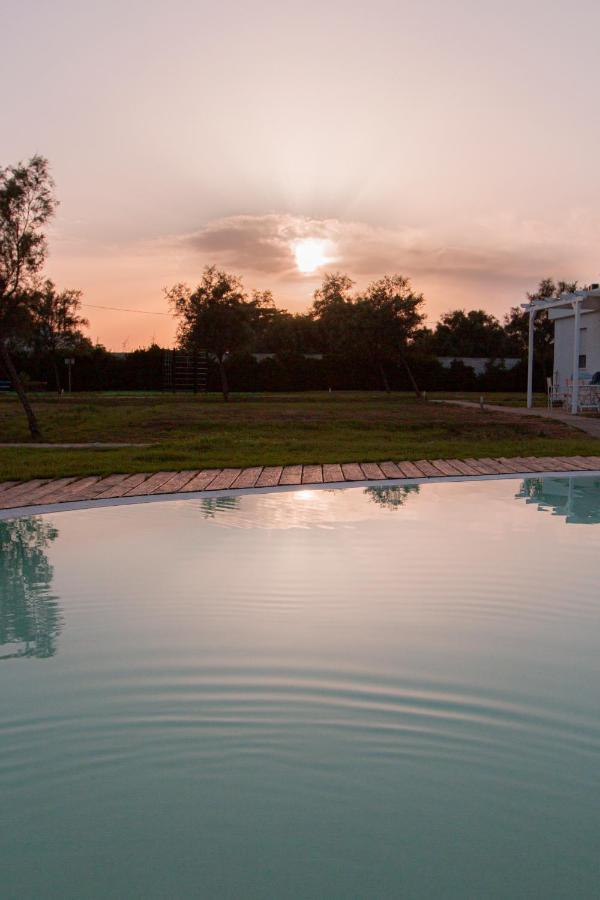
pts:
pixel 576 349
pixel 530 358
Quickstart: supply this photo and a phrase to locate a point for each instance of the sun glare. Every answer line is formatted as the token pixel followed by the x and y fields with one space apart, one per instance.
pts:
pixel 310 253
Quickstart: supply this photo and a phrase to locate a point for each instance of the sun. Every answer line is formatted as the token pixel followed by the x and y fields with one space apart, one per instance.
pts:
pixel 310 253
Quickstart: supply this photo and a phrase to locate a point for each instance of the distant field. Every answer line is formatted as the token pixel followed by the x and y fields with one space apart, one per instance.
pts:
pixel 266 429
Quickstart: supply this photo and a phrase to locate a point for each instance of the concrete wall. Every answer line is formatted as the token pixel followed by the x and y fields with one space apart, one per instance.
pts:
pixel 564 322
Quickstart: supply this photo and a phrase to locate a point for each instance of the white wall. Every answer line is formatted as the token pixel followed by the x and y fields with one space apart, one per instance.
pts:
pixel 563 345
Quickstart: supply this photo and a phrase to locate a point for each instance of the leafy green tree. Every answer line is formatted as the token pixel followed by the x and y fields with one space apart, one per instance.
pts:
pixel 386 318
pixel 56 324
pixel 27 203
pixel 217 316
pixel 332 312
pixel 473 333
pixel 377 325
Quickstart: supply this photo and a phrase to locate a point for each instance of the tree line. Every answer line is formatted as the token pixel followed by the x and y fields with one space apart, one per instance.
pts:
pixel 374 338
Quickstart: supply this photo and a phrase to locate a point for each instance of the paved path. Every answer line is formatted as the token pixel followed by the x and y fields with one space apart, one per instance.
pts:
pixel 43 491
pixel 589 424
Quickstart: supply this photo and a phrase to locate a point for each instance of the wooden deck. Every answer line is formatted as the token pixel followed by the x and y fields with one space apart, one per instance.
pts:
pixel 43 492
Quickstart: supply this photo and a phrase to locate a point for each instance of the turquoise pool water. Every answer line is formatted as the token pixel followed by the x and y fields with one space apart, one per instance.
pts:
pixel 315 694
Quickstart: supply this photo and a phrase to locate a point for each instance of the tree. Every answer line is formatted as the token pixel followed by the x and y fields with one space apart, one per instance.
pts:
pixel 27 203
pixel 391 497
pixel 387 317
pixel 217 316
pixel 56 324
pixel 378 324
pixel 332 311
pixel 29 614
pixel 473 333
pixel 516 325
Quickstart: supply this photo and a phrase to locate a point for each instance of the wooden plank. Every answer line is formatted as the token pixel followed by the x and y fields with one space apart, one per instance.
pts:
pixel 77 490
pixel 445 467
pixel 38 495
pixel 390 469
pixel 504 466
pixel 409 470
pixel 201 480
pixel 10 497
pixel 5 485
pixel 550 464
pixel 573 462
pixel 247 477
pixel 150 485
pixel 269 477
pixel 291 475
pixel 105 484
pixel 538 464
pixel 121 488
pixel 224 480
pixel 312 475
pixel 463 467
pixel 520 464
pixel 481 467
pixel 499 466
pixel 587 462
pixel 332 472
pixel 176 483
pixel 427 468
pixel 554 464
pixel 352 472
pixel 372 471
pixel 594 460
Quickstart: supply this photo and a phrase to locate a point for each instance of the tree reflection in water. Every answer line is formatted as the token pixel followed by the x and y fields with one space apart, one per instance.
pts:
pixel 391 497
pixel 212 505
pixel 30 617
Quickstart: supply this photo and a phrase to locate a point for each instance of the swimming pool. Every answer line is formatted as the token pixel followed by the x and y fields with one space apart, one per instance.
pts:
pixel 375 692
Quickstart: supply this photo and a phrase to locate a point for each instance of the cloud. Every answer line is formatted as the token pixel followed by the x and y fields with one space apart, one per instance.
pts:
pixel 256 243
pixel 503 249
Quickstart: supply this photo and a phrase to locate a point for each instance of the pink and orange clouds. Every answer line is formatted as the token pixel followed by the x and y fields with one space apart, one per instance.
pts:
pixel 455 143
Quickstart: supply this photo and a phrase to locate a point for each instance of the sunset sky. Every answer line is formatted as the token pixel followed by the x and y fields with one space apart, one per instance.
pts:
pixel 455 143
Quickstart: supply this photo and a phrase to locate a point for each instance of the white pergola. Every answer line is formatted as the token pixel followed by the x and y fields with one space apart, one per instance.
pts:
pixel 578 300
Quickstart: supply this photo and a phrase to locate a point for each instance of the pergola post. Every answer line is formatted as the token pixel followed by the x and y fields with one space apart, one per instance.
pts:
pixel 576 349
pixel 532 312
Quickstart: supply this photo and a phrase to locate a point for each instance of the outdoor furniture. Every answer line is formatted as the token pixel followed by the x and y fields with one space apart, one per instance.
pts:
pixel 588 400
pixel 554 395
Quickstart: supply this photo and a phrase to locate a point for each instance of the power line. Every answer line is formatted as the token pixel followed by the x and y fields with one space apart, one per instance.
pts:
pixel 144 312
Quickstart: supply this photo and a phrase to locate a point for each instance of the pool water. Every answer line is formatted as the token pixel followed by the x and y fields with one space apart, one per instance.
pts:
pixel 358 693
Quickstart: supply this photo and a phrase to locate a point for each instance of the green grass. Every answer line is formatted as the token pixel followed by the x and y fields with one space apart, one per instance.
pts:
pixel 196 432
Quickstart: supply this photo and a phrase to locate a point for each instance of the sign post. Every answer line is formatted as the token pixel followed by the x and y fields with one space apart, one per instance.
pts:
pixel 69 363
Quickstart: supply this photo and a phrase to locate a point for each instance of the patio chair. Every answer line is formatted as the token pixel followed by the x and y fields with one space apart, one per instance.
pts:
pixel 554 398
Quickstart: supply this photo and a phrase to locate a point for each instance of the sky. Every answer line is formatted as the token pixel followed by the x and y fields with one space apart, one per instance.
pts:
pixel 454 143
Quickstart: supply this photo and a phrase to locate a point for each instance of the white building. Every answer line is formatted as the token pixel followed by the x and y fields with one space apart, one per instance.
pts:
pixel 588 358
pixel 576 318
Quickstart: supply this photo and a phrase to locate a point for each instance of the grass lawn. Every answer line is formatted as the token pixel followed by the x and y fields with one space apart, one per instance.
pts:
pixel 186 432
